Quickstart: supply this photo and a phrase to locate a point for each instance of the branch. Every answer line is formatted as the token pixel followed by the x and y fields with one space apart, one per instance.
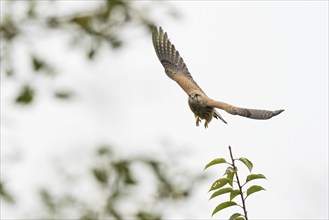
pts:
pixel 239 184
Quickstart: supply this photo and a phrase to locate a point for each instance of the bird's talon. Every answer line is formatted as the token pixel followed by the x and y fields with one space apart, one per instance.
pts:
pixel 198 120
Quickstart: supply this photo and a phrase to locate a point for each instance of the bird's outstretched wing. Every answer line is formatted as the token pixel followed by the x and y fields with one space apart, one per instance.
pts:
pixel 248 113
pixel 173 63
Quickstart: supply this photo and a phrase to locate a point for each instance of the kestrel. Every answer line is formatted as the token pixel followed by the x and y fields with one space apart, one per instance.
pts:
pixel 201 105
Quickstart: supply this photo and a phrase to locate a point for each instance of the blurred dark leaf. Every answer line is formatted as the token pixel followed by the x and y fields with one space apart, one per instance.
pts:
pixel 104 150
pixel 52 22
pixel 123 170
pixel 48 200
pixel 165 187
pixel 82 21
pixel 37 63
pixel 63 94
pixel 91 53
pixel 8 28
pixel 4 194
pixel 115 42
pixel 31 13
pixel 147 216
pixel 25 96
pixel 40 65
pixel 9 72
pixel 100 174
pixel 111 209
pixel 89 215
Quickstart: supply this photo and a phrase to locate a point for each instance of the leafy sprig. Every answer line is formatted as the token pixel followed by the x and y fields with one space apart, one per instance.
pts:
pixel 227 185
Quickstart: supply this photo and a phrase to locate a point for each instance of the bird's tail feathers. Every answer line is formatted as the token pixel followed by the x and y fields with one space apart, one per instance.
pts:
pixel 218 116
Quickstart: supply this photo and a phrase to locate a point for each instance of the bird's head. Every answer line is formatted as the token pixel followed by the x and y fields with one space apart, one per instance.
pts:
pixel 195 95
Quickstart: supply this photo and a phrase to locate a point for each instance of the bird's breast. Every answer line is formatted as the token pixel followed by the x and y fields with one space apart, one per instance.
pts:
pixel 201 110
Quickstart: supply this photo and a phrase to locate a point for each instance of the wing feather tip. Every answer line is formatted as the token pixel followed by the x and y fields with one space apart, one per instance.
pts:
pixel 155 35
pixel 277 112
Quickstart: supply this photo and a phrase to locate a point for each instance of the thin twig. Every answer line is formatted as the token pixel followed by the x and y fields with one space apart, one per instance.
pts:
pixel 240 186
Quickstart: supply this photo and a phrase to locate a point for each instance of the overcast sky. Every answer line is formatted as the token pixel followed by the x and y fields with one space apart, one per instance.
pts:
pixel 256 54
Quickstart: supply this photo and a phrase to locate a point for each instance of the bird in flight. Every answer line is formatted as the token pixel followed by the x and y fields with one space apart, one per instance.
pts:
pixel 201 105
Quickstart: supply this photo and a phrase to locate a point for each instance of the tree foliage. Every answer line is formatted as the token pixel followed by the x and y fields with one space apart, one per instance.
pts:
pixel 98 26
pixel 119 185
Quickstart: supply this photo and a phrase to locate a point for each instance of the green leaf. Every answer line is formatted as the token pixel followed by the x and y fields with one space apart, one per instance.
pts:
pixel 229 170
pixel 219 183
pixel 223 206
pixel 215 161
pixel 25 96
pixel 254 176
pixel 237 216
pixel 230 175
pixel 221 191
pixel 253 189
pixel 234 193
pixel 246 162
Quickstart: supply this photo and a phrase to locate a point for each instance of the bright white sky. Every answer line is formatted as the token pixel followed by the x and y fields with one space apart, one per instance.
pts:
pixel 257 54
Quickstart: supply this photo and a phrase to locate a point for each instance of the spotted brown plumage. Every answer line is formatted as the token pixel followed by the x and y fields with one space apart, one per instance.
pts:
pixel 201 105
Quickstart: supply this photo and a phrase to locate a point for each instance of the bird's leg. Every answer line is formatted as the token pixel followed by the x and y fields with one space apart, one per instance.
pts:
pixel 206 124
pixel 198 120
